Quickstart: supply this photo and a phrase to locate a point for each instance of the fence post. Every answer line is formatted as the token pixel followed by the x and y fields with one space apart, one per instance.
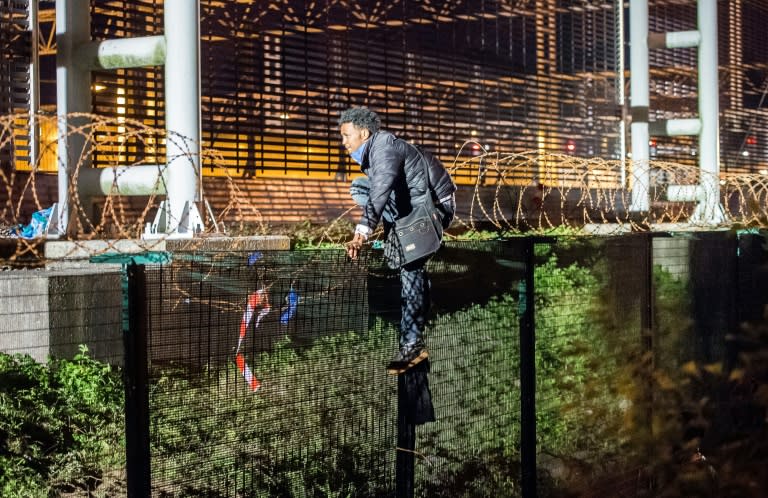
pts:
pixel 406 444
pixel 647 320
pixel 528 375
pixel 137 454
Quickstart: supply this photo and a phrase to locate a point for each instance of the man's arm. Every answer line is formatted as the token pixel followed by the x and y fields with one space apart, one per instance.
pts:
pixel 385 167
pixel 354 245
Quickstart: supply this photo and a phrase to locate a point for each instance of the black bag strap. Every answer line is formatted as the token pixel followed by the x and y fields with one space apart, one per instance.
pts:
pixel 423 160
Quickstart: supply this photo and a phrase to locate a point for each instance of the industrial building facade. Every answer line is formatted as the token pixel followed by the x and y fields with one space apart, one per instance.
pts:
pixel 458 76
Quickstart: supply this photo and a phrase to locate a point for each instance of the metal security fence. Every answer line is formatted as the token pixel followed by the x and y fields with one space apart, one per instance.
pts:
pixel 263 377
pixel 264 372
pixel 559 366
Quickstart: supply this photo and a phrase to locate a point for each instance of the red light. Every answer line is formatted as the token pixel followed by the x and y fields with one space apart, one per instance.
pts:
pixel 652 143
pixel 570 146
pixel 476 146
pixel 751 140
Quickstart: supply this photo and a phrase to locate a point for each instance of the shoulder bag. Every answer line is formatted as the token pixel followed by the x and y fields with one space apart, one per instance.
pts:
pixel 418 235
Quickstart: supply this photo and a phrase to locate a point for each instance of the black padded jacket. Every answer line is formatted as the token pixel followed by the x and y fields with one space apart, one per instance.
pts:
pixel 394 168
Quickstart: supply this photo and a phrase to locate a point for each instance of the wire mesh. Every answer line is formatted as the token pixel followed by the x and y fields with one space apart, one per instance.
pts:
pixel 266 369
pixel 473 446
pixel 249 395
pixel 282 394
pixel 591 295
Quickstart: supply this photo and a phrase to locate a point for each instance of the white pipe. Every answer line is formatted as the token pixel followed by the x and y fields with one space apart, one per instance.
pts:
pixel 709 210
pixel 639 100
pixel 182 108
pixel 620 95
pixel 73 95
pixel 684 193
pixel 122 53
pixel 34 87
pixel 674 39
pixel 676 127
pixel 683 39
pixel 142 179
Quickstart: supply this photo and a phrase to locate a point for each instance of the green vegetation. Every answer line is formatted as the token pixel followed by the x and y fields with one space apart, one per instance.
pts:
pixel 473 234
pixel 61 427
pixel 609 398
pixel 293 437
pixel 306 235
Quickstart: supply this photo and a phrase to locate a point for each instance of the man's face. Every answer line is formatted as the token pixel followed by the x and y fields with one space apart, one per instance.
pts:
pixel 353 137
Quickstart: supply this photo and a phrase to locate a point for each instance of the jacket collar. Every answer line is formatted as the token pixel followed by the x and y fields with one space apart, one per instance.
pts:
pixel 365 163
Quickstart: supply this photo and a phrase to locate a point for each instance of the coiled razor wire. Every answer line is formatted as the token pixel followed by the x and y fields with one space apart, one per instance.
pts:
pixel 510 192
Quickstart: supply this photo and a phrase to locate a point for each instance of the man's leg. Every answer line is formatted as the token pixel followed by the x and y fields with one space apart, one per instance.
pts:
pixel 414 306
pixel 360 191
pixel 414 303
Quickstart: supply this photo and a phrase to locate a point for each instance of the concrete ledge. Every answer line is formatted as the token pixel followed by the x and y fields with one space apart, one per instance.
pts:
pixel 85 249
pixel 79 250
pixel 606 228
pixel 51 312
pixel 252 243
pixel 685 227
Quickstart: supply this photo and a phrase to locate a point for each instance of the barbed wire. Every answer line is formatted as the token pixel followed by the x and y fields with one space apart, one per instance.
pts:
pixel 565 190
pixel 512 192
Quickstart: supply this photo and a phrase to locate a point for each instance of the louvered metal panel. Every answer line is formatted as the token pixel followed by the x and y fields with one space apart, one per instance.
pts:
pixel 513 75
pixel 15 54
pixel 276 75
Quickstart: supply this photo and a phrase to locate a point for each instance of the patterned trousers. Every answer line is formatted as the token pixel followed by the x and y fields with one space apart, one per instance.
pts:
pixel 414 280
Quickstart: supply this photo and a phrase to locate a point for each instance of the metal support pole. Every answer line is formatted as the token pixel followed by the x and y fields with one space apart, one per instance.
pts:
pixel 137 449
pixel 736 56
pixel 528 374
pixel 620 93
pixel 406 444
pixel 709 209
pixel 639 101
pixel 34 87
pixel 648 340
pixel 73 95
pixel 182 112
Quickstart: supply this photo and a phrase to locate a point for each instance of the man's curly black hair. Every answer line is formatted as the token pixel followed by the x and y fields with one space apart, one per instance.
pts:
pixel 361 117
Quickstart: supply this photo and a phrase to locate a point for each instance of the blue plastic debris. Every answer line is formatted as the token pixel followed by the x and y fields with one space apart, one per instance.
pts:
pixel 37 226
pixel 254 257
pixel 289 310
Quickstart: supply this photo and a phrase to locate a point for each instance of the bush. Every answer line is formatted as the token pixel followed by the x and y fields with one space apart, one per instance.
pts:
pixel 61 426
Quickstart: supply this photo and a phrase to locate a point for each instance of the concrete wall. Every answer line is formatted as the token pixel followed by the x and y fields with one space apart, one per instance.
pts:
pixel 673 255
pixel 51 312
pixel 24 317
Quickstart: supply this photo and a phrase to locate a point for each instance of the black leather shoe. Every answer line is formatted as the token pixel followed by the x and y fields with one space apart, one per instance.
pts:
pixel 406 357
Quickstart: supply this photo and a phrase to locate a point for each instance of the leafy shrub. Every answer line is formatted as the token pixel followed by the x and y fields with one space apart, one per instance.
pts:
pixel 211 436
pixel 61 425
pixel 711 423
